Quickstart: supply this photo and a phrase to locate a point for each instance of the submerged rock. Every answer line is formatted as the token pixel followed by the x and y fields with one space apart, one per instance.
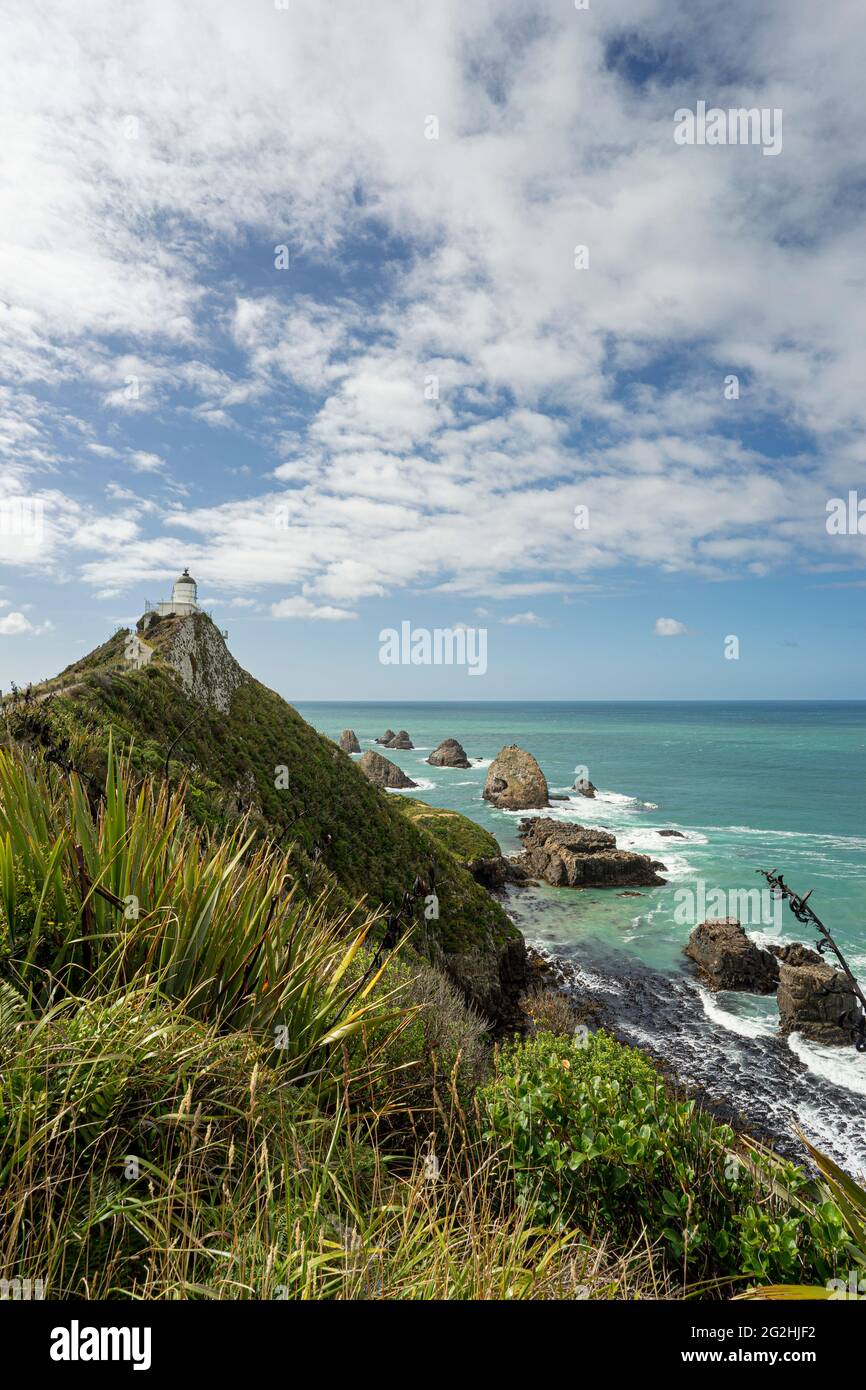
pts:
pixel 571 856
pixel 728 959
pixel 673 834
pixel 515 782
pixel 349 741
pixel 382 772
pixel 450 753
pixel 818 1002
pixel 400 740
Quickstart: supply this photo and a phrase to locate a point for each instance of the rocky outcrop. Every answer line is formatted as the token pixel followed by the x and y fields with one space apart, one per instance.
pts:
pixel 515 782
pixel 494 872
pixel 796 954
pixel 387 736
pixel 382 772
pixel 349 741
pixel 206 667
pixel 493 980
pixel 728 959
pixel 570 856
pixel 400 740
pixel 585 787
pixel 672 834
pixel 449 753
pixel 817 1001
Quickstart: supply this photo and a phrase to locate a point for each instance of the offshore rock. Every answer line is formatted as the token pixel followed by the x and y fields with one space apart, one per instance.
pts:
pixel 818 1002
pixel 450 753
pixel 570 856
pixel 400 740
pixel 515 782
pixel 349 741
pixel 728 959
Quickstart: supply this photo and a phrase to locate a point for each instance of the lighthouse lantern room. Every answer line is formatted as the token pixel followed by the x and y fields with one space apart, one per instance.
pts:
pixel 184 598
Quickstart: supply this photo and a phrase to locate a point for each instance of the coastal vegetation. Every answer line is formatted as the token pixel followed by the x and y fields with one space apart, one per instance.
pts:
pixel 213 1088
pixel 263 1034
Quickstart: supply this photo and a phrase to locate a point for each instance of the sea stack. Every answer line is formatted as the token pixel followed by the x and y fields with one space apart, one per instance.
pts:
pixel 515 782
pixel 349 741
pixel 450 753
pixel 382 772
pixel 818 1002
pixel 585 787
pixel 387 736
pixel 400 740
pixel 728 959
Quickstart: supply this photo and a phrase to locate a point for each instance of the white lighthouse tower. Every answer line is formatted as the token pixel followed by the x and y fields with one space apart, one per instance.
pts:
pixel 184 598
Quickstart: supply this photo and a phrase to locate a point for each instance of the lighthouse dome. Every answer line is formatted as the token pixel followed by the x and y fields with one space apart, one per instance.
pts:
pixel 185 589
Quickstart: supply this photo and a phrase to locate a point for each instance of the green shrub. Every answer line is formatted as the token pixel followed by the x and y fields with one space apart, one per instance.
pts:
pixel 594 1138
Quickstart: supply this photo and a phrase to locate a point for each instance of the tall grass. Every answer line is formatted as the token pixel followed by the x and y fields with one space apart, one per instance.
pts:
pixel 147 1155
pixel 213 1087
pixel 96 898
pixel 194 1067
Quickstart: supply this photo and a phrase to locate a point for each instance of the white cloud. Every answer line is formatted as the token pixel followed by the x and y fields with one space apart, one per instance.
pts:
pixel 144 462
pixel 124 261
pixel 15 624
pixel 669 627
pixel 302 608
pixel 528 619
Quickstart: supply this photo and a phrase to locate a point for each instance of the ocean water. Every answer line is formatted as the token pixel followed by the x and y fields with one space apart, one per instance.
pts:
pixel 749 786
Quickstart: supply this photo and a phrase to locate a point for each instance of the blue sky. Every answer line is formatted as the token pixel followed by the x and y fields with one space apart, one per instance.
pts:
pixel 400 425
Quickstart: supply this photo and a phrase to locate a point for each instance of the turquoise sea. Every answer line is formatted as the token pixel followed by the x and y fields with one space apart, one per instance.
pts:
pixel 750 786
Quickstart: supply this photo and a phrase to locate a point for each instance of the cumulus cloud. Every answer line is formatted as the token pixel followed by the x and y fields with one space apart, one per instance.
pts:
pixel 300 607
pixel 669 627
pixel 15 624
pixel 431 388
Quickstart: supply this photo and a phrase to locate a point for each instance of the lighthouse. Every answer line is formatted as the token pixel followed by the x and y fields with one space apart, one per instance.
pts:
pixel 184 598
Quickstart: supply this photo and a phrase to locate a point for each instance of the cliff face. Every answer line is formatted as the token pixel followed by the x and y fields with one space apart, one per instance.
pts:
pixel 204 663
pixel 195 649
pixel 243 749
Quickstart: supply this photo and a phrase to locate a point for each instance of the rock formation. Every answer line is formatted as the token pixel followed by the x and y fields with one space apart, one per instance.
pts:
pixel 672 834
pixel 817 1001
pixel 387 736
pixel 515 782
pixel 383 773
pixel 349 741
pixel 585 787
pixel 449 754
pixel 206 667
pixel 727 959
pixel 571 856
pixel 400 740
